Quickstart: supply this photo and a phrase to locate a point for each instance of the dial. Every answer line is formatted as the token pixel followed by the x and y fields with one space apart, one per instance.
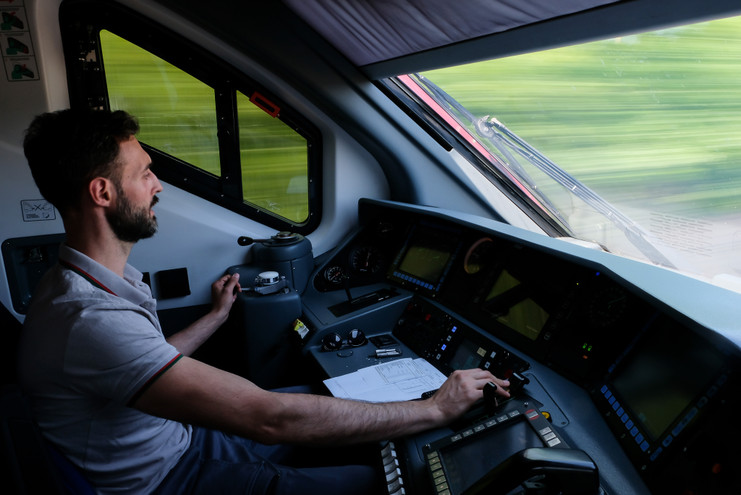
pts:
pixel 334 275
pixel 478 255
pixel 366 259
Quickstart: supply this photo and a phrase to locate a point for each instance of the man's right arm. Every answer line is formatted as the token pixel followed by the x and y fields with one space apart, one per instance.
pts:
pixel 196 393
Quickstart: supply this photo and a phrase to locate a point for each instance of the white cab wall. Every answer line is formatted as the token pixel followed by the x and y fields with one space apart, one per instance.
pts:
pixel 20 101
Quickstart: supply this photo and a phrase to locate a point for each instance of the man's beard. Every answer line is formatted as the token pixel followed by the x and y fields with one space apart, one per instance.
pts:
pixel 131 225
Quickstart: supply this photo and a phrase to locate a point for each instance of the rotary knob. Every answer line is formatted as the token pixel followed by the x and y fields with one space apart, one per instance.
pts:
pixel 267 278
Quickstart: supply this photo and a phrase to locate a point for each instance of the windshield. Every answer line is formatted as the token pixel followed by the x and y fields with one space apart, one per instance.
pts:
pixel 633 143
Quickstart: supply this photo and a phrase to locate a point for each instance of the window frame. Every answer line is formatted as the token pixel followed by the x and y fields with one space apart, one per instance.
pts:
pixel 462 142
pixel 81 23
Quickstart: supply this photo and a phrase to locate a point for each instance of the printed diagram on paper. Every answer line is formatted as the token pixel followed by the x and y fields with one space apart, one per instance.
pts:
pixel 403 379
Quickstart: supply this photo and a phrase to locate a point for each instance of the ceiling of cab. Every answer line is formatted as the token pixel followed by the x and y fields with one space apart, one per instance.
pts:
pixel 372 31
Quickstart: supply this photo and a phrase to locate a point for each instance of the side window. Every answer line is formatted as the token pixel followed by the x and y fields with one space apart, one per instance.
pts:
pixel 176 111
pixel 273 160
pixel 210 129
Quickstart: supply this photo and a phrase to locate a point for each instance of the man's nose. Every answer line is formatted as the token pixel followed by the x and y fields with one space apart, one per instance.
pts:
pixel 158 186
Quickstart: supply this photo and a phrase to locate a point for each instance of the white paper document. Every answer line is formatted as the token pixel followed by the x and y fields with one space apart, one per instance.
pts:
pixel 402 379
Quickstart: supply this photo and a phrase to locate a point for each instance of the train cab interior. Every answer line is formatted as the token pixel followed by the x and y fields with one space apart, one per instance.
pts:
pixel 547 190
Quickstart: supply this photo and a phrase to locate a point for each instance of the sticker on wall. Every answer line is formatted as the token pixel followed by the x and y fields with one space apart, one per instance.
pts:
pixel 21 68
pixel 37 210
pixel 18 44
pixel 19 58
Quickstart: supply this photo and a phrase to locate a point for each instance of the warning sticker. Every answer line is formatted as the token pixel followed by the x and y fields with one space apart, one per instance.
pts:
pixel 37 210
pixel 21 68
pixel 18 44
pixel 19 58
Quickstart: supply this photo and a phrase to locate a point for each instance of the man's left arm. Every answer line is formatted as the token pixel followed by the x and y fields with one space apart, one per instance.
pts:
pixel 223 294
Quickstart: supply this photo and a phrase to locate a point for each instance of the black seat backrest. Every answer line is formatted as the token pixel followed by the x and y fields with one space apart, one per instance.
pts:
pixel 25 463
pixel 29 465
pixel 10 332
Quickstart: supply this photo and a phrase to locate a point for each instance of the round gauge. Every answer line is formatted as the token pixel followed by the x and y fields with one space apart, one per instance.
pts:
pixel 366 259
pixel 607 305
pixel 334 275
pixel 478 255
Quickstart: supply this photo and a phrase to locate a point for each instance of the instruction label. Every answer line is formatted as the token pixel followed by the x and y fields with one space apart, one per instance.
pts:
pixel 37 210
pixel 19 58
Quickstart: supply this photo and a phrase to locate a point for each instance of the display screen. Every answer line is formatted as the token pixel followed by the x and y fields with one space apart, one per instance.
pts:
pixel 509 303
pixel 425 262
pixel 465 463
pixel 666 373
pixel 467 356
pixel 426 257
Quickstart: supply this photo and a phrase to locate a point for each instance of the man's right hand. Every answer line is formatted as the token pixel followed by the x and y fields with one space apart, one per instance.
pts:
pixel 462 389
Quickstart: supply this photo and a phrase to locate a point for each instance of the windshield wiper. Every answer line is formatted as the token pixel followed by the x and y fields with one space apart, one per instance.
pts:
pixel 507 164
pixel 510 145
pixel 631 230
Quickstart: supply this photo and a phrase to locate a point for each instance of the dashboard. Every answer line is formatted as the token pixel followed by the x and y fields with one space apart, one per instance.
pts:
pixel 641 388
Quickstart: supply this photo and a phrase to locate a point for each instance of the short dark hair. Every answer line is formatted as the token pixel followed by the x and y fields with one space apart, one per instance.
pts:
pixel 68 148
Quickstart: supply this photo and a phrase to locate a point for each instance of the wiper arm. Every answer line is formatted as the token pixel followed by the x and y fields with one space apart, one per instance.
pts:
pixel 510 144
pixel 632 231
pixel 509 165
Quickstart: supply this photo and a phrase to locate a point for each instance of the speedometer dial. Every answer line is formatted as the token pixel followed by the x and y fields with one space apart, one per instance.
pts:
pixel 334 275
pixel 478 255
pixel 366 259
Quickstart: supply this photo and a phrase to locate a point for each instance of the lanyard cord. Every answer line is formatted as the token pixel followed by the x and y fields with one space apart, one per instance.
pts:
pixel 86 276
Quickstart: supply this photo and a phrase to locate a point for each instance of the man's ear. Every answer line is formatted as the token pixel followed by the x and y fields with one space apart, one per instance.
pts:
pixel 101 191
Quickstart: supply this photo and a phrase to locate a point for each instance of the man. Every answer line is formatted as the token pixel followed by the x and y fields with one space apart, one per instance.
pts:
pixel 119 399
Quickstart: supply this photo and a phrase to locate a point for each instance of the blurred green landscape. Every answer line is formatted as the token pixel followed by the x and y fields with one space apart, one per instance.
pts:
pixel 653 118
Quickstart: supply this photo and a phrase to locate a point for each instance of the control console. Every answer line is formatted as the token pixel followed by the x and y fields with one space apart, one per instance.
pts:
pixel 449 344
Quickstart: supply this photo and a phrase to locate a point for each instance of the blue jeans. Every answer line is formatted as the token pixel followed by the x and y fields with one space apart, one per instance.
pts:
pixel 218 463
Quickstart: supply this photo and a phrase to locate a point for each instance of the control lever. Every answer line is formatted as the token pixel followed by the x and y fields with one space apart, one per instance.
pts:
pixel 346 286
pixel 355 300
pixel 516 382
pixel 491 401
pixel 246 241
pixel 562 471
pixel 488 405
pixel 281 237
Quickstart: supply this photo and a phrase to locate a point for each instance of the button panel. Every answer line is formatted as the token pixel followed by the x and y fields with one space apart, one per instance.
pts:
pixel 392 470
pixel 512 411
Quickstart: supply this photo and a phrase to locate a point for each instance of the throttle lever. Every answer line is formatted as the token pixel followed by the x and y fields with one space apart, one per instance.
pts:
pixel 517 382
pixel 491 398
pixel 491 401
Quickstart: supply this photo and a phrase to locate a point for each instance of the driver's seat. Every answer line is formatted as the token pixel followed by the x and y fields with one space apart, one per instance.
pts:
pixel 29 465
